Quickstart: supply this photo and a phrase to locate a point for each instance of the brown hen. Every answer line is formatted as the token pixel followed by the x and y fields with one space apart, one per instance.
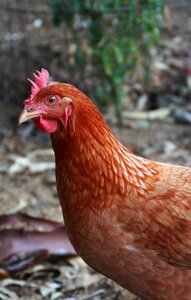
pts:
pixel 128 217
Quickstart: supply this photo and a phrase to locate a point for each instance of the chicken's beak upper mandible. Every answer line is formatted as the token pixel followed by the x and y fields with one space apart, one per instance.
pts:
pixel 25 115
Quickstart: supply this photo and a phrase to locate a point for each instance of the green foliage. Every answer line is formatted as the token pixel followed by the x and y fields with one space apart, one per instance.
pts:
pixel 120 35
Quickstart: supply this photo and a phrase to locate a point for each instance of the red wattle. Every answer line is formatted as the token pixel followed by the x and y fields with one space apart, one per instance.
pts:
pixel 44 124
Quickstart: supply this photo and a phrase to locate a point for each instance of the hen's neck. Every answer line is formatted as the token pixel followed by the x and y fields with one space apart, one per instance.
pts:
pixel 94 165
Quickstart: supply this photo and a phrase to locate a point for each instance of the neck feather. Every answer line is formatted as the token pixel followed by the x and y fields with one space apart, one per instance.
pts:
pixel 93 167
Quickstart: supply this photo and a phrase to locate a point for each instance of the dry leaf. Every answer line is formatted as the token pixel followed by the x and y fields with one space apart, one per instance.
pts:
pixel 21 248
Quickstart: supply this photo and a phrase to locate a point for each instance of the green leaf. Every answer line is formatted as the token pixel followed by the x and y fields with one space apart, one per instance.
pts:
pixel 115 44
pixel 56 295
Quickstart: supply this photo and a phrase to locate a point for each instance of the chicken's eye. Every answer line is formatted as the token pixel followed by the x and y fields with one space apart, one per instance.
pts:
pixel 51 100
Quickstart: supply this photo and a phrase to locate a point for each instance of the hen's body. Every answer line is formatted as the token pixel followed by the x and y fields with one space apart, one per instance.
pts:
pixel 127 217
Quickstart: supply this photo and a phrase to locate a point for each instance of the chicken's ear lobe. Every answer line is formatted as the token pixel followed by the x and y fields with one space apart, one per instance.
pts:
pixel 66 100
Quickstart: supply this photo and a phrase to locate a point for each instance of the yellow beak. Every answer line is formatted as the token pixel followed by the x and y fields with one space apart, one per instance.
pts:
pixel 25 116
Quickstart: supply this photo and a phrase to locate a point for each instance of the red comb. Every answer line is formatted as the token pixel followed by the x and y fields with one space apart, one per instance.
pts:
pixel 40 81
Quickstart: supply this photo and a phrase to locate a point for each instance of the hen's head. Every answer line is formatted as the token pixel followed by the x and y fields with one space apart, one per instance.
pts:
pixel 49 103
pixel 52 103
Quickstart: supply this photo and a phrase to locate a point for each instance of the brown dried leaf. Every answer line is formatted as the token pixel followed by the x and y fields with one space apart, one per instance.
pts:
pixel 19 241
pixel 41 224
pixel 3 274
pixel 6 294
pixel 21 248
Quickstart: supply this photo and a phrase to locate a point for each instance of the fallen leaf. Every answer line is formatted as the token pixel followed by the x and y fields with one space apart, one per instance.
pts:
pixel 20 163
pixel 10 282
pixel 6 294
pixel 56 295
pixel 19 241
pixel 17 263
pixel 3 274
pixel 40 223
pixel 22 248
pixel 21 205
pixel 99 292
pixel 157 114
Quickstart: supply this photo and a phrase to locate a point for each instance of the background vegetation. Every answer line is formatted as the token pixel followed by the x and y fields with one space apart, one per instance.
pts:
pixel 119 37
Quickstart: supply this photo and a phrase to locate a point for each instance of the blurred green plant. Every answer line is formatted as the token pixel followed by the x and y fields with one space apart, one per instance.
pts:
pixel 120 35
